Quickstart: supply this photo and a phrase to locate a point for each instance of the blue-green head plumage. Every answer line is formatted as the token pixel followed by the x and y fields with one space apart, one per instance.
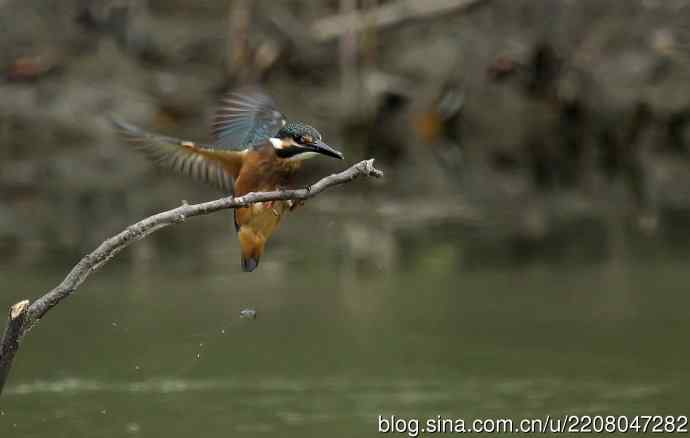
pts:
pixel 297 140
pixel 299 131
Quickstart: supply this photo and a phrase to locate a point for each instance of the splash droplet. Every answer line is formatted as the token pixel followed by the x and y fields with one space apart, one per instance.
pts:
pixel 248 313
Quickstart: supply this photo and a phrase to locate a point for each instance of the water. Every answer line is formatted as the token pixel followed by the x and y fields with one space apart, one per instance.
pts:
pixel 163 351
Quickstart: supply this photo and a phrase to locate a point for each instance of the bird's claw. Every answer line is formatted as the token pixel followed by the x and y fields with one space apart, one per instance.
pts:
pixel 294 203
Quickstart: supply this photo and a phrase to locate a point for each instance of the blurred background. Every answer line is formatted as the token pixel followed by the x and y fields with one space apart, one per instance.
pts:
pixel 526 253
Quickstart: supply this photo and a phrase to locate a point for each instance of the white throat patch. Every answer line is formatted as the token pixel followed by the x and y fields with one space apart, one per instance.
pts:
pixel 277 143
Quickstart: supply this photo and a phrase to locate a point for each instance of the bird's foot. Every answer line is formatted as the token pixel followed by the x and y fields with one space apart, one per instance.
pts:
pixel 272 206
pixel 294 203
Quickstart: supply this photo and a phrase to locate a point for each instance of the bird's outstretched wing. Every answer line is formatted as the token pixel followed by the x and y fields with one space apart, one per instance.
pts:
pixel 202 163
pixel 246 117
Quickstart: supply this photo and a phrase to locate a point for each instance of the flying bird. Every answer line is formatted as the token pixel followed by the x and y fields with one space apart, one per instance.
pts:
pixel 254 149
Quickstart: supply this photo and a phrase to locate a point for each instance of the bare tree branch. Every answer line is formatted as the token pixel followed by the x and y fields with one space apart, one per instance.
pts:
pixel 24 315
pixel 10 338
pixel 329 28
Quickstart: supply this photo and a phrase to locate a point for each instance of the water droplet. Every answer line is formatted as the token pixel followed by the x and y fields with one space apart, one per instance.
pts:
pixel 248 313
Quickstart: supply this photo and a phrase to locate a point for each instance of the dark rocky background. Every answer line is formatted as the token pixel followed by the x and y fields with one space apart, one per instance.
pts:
pixel 543 127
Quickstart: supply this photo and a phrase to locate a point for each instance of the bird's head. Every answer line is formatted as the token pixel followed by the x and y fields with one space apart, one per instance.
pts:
pixel 298 141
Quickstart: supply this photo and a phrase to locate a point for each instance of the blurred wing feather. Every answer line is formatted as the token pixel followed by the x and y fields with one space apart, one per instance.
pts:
pixel 214 167
pixel 245 118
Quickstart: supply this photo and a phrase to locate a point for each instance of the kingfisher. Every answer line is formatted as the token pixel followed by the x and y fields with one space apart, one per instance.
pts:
pixel 254 149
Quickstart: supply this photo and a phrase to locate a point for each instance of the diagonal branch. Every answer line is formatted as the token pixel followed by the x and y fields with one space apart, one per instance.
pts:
pixel 385 15
pixel 24 315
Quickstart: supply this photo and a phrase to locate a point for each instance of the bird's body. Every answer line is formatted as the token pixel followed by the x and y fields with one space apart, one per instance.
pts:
pixel 262 171
pixel 255 150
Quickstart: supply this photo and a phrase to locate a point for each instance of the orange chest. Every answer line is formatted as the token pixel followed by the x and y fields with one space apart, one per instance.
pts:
pixel 263 171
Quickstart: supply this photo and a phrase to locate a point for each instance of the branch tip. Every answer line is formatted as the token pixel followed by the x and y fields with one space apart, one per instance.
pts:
pixel 369 169
pixel 19 309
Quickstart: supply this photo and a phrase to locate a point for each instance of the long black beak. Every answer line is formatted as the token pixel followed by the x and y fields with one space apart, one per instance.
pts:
pixel 322 148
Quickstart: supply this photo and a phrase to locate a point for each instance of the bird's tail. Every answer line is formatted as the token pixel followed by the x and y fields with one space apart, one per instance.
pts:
pixel 252 247
pixel 249 263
